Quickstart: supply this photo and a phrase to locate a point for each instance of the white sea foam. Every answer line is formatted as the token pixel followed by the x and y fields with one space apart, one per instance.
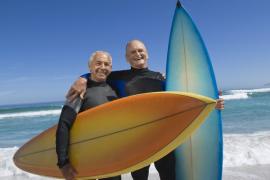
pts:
pixel 251 90
pixel 235 96
pixel 243 93
pixel 246 149
pixel 31 114
pixel 8 170
pixel 239 150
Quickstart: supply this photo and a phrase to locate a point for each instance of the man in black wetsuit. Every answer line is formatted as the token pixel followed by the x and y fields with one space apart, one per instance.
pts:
pixel 139 79
pixel 98 92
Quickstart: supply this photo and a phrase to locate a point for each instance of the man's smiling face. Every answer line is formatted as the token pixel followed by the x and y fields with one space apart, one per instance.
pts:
pixel 136 54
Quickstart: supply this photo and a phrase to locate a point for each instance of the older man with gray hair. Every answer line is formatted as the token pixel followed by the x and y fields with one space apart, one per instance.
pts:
pixel 97 92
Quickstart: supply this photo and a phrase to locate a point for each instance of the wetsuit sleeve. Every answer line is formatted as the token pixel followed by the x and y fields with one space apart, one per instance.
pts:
pixel 68 115
pixel 85 76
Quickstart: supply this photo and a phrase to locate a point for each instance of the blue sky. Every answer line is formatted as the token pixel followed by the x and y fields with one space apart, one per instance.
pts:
pixel 45 45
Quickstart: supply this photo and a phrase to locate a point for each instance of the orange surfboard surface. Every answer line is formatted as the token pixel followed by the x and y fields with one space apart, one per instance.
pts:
pixel 120 136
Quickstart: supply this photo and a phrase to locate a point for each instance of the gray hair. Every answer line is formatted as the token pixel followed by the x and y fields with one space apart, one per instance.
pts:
pixel 98 52
pixel 132 41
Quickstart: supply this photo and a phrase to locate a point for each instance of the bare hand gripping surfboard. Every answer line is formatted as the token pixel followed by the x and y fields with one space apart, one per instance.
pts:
pixel 120 136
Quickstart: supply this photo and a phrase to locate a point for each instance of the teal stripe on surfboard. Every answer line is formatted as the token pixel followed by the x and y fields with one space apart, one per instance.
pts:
pixel 189 69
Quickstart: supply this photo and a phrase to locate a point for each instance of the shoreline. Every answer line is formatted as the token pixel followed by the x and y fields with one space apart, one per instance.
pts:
pixel 248 172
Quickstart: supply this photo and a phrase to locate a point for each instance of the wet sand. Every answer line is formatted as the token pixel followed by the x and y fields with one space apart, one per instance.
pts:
pixel 258 172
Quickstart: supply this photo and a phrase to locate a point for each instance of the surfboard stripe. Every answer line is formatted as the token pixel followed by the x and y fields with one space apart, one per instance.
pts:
pixel 122 130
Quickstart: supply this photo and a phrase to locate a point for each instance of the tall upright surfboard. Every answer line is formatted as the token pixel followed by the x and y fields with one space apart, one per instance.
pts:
pixel 189 69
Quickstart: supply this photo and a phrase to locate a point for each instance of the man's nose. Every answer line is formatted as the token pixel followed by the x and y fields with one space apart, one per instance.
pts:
pixel 103 66
pixel 137 53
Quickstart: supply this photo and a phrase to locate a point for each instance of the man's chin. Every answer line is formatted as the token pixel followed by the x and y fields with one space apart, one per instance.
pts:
pixel 139 66
pixel 102 78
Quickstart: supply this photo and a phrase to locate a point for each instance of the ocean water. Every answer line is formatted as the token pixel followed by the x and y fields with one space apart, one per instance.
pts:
pixel 246 127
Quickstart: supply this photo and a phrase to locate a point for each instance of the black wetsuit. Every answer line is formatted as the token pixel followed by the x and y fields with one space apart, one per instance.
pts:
pixel 135 81
pixel 97 93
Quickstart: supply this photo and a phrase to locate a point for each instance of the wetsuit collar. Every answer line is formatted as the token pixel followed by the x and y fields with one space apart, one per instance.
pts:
pixel 91 83
pixel 134 70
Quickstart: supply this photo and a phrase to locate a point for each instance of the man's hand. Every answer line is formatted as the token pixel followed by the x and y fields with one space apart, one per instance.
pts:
pixel 77 89
pixel 69 172
pixel 220 102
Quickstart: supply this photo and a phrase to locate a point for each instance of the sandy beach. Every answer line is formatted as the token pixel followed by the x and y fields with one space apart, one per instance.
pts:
pixel 258 172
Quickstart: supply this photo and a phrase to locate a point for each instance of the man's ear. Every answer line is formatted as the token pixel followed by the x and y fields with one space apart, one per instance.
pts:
pixel 127 59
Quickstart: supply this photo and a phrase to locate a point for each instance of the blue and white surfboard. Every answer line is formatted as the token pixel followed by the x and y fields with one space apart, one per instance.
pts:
pixel 189 69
